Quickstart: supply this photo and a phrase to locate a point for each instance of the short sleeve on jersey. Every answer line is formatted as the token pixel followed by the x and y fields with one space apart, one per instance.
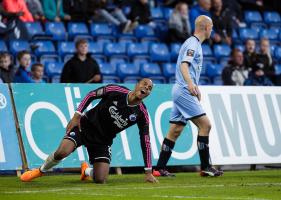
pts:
pixel 190 51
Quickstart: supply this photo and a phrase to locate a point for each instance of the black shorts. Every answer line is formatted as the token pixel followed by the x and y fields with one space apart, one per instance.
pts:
pixel 96 152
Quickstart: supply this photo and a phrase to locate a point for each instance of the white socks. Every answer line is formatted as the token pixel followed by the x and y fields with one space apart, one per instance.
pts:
pixel 89 172
pixel 49 163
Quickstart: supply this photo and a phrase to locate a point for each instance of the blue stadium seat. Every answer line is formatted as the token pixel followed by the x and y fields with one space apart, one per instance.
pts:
pixel 150 70
pixel 252 16
pixel 221 50
pixel 269 33
pixel 115 49
pixel 34 28
pixel 214 70
pixel 258 26
pixel 3 46
pixel 55 79
pixel 108 69
pixel 175 49
pixel 157 13
pixel 101 29
pixel 128 70
pixel 44 47
pixel 278 69
pixel 139 60
pixel 159 52
pixel 271 17
pixel 167 13
pixel 56 29
pixel 77 28
pixel 277 52
pixel 115 61
pixel 204 80
pixel 137 49
pixel 241 47
pixel 143 31
pixel 217 80
pixel 158 80
pixel 53 68
pixel 18 45
pixel 65 48
pixel 96 48
pixel 130 80
pixel 46 58
pixel 127 40
pixel 110 79
pixel 247 33
pixel 207 51
pixel 169 69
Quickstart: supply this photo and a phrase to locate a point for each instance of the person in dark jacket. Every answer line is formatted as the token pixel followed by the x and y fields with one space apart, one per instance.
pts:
pixel 140 12
pixel 6 68
pixel 258 78
pixel 76 9
pixel 81 68
pixel 250 55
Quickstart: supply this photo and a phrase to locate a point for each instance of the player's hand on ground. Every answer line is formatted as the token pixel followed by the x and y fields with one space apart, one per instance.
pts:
pixel 75 121
pixel 150 178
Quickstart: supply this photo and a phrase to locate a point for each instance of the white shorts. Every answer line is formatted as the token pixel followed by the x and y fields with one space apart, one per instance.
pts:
pixel 185 106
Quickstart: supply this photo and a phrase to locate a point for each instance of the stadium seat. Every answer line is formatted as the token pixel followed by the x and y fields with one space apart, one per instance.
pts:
pixel 127 40
pixel 55 79
pixel 18 45
pixel 158 80
pixel 128 70
pixel 115 49
pixel 258 26
pixel 277 52
pixel 204 80
pixel 46 58
pixel 53 68
pixel 217 80
pixel 65 48
pixel 139 60
pixel 247 33
pixel 56 29
pixel 252 16
pixel 143 31
pixel 241 47
pixel 269 33
pixel 108 69
pixel 96 48
pixel 167 13
pixel 34 28
pixel 221 50
pixel 137 49
pixel 101 30
pixel 207 51
pixel 110 79
pixel 130 80
pixel 214 70
pixel 75 28
pixel 169 69
pixel 278 69
pixel 175 49
pixel 150 70
pixel 3 46
pixel 271 17
pixel 115 61
pixel 44 47
pixel 159 52
pixel 157 13
pixel 224 61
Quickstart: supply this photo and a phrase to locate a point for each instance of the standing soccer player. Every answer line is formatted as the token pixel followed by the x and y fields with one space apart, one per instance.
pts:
pixel 186 101
pixel 118 109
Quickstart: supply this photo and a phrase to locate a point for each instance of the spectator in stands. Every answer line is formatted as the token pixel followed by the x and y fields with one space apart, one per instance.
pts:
pixel 6 68
pixel 36 9
pixel 258 78
pixel 37 72
pixel 22 75
pixel 53 10
pixel 221 18
pixel 179 26
pixel 100 10
pixel 235 13
pixel 235 72
pixel 264 59
pixel 140 13
pixel 250 56
pixel 77 9
pixel 16 6
pixel 202 8
pixel 81 68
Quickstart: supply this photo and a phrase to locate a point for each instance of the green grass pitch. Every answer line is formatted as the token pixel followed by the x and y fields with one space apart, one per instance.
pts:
pixel 244 185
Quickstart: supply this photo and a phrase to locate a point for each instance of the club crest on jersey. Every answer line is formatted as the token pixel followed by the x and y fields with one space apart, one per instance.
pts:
pixel 190 52
pixel 132 117
pixel 72 133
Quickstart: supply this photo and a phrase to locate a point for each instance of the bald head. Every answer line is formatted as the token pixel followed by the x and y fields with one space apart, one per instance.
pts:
pixel 203 27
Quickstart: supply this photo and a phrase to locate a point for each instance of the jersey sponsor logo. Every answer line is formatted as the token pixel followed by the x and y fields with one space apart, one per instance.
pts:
pixel 119 121
pixel 190 52
pixel 132 117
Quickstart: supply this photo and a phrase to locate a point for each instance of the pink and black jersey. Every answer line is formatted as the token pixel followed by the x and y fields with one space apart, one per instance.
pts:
pixel 112 115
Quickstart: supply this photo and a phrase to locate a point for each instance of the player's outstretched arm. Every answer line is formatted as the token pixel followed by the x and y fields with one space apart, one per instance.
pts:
pixel 75 121
pixel 149 177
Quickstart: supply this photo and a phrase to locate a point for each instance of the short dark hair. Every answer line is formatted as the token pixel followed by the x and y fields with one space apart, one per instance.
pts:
pixel 22 53
pixel 80 41
pixel 35 65
pixel 234 51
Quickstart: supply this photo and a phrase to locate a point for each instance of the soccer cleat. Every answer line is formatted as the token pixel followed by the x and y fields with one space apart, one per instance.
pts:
pixel 210 171
pixel 30 175
pixel 162 172
pixel 84 166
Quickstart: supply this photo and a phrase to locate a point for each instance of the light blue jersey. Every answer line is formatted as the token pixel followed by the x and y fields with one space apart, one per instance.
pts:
pixel 186 106
pixel 190 52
